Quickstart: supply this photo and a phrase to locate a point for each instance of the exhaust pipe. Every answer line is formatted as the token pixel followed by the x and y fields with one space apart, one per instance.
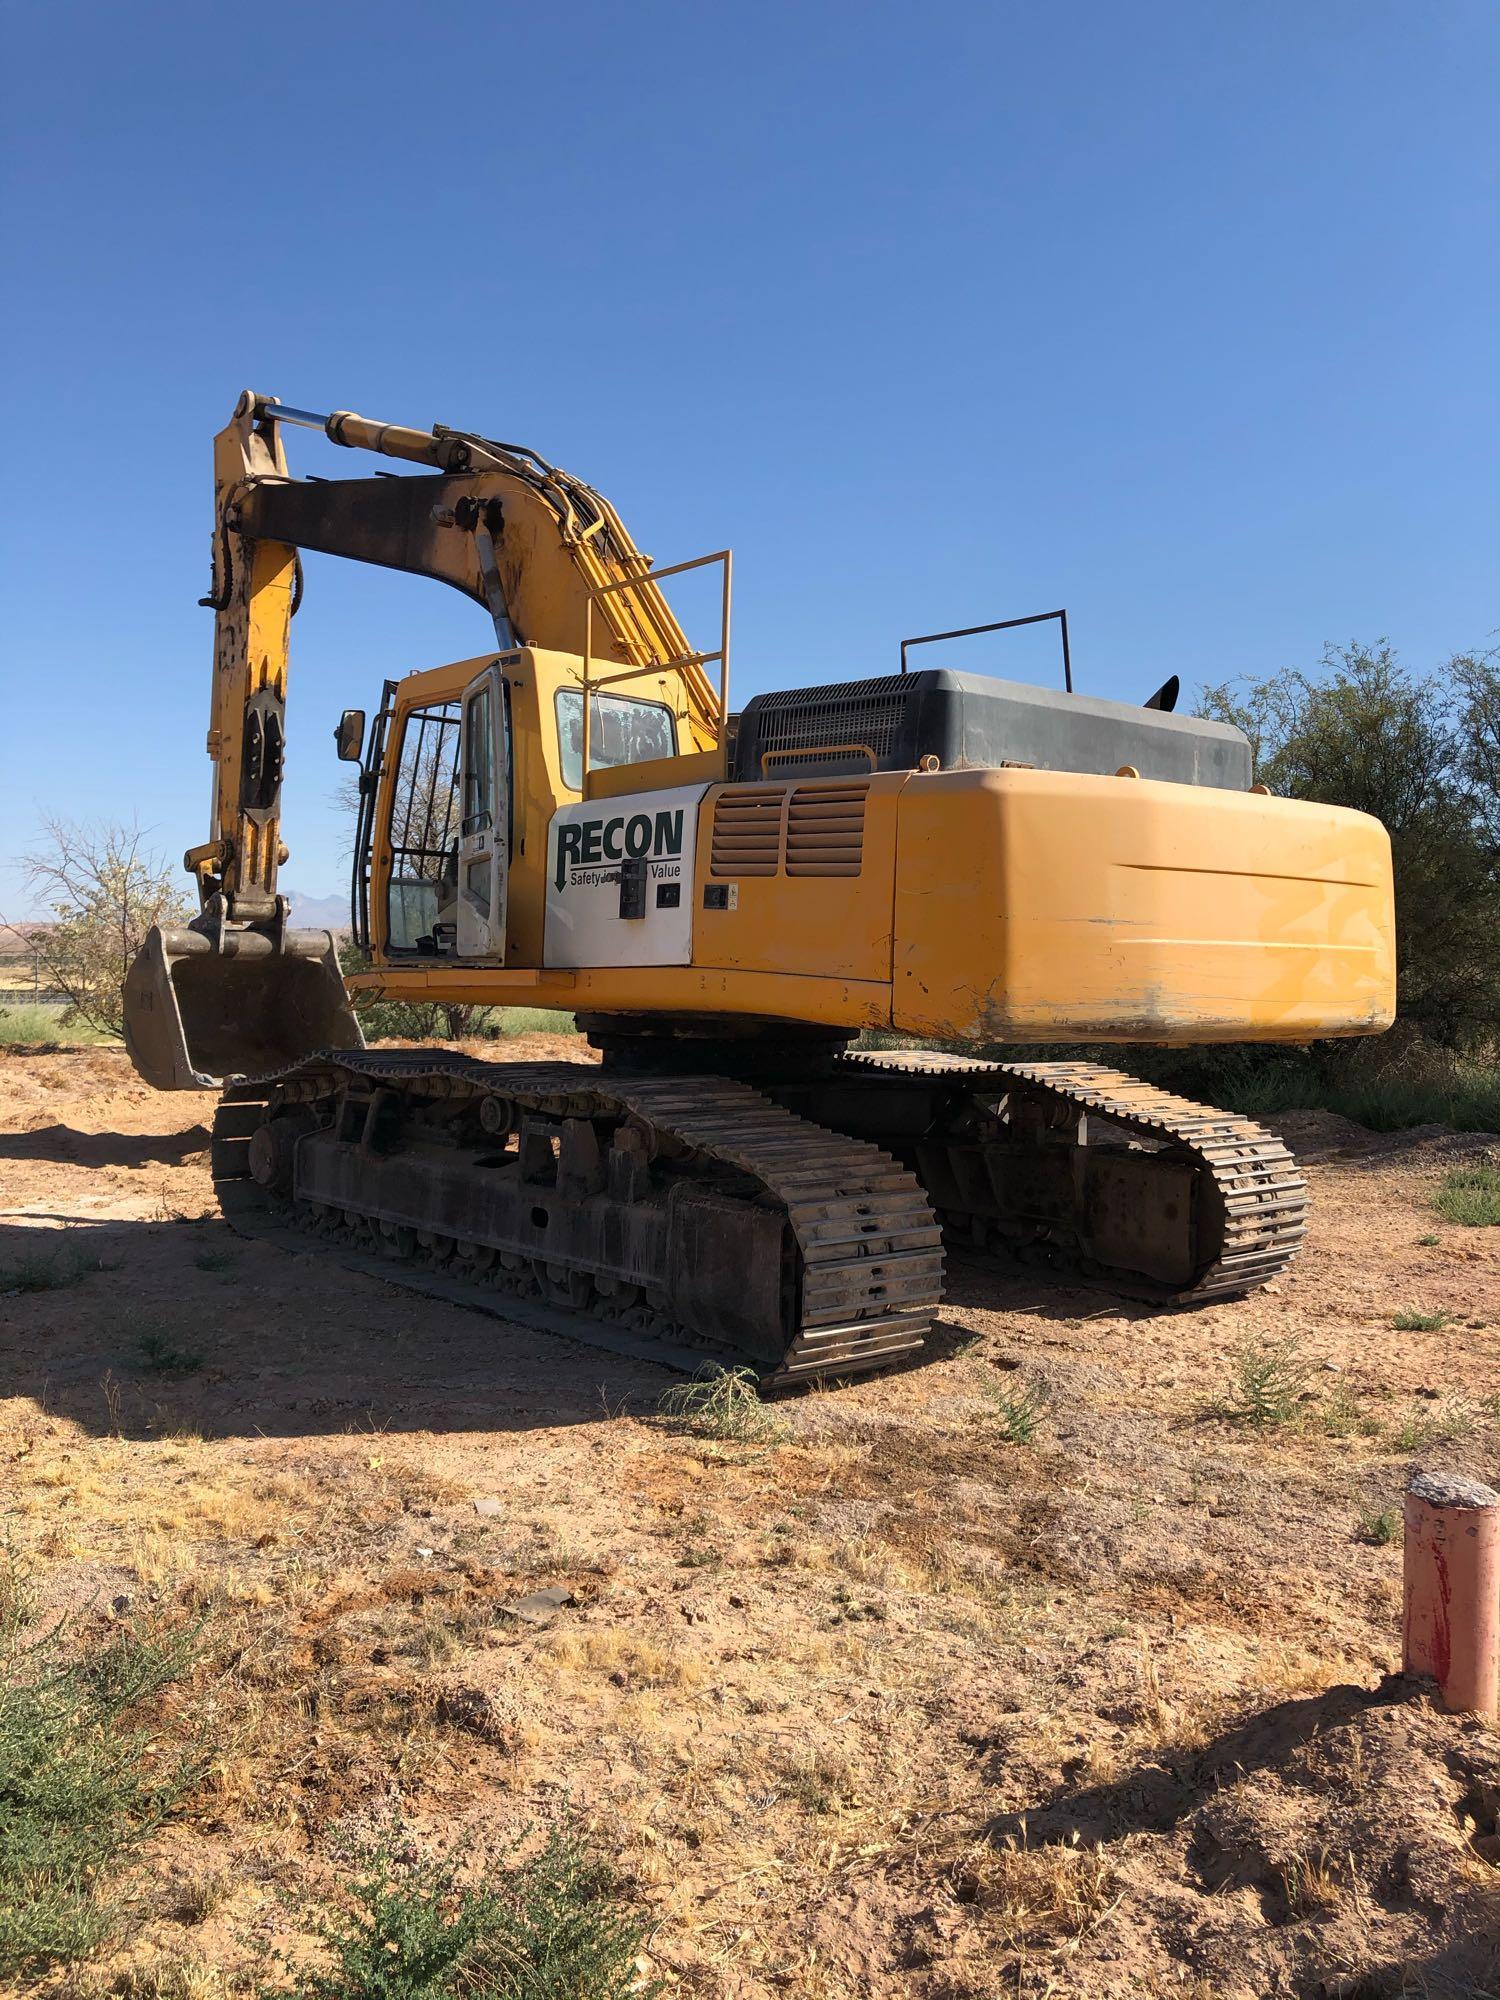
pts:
pixel 197 1016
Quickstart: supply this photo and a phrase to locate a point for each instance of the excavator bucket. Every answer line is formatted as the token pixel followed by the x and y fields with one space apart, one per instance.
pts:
pixel 196 1015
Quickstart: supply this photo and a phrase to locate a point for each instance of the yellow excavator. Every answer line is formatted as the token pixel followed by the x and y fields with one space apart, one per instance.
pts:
pixel 575 819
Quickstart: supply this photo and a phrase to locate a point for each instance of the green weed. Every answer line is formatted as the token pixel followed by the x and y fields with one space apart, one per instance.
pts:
pixel 1271 1378
pixel 1340 1415
pixel 724 1403
pixel 550 1929
pixel 1424 1423
pixel 1470 1195
pixel 81 1781
pixel 214 1260
pixel 50 1271
pixel 1419 1322
pixel 1380 1529
pixel 161 1358
pixel 1018 1410
pixel 43 1027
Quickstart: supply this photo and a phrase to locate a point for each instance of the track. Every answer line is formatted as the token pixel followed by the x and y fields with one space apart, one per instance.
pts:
pixel 690 1219
pixel 1248 1199
pixel 685 1218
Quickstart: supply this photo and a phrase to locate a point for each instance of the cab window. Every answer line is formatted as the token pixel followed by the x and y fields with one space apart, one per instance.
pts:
pixel 479 770
pixel 422 906
pixel 621 731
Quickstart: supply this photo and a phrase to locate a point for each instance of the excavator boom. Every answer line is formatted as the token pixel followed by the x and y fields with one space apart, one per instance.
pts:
pixel 546 555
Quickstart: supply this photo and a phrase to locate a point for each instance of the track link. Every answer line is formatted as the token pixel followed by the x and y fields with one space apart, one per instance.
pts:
pixel 862 1250
pixel 1251 1208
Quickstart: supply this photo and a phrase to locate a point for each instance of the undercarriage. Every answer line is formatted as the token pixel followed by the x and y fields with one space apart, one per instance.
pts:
pixel 793 1225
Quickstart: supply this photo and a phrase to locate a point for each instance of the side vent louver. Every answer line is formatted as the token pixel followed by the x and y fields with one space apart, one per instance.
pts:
pixel 816 829
pixel 825 830
pixel 747 830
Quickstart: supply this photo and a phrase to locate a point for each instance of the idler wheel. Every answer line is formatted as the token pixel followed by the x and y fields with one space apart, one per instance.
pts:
pixel 273 1149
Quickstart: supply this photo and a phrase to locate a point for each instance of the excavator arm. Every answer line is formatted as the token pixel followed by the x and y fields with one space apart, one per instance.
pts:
pixel 547 556
pixel 528 541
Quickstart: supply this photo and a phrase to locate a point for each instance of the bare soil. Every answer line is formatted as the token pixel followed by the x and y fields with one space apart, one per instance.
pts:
pixel 889 1706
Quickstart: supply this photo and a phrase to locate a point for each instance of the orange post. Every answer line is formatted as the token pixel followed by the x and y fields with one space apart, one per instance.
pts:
pixel 1451 1626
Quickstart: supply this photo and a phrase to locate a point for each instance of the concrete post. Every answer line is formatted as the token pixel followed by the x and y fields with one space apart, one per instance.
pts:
pixel 1451 1624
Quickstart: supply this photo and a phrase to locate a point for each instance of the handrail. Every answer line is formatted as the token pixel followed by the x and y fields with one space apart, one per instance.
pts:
pixel 682 664
pixel 1001 625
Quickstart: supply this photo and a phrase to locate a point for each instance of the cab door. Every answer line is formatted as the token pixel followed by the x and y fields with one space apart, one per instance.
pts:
pixel 484 836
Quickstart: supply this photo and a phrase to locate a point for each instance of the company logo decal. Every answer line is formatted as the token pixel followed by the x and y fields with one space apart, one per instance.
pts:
pixel 590 844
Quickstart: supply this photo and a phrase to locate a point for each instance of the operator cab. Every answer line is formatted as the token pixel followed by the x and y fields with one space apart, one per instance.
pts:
pixel 463 769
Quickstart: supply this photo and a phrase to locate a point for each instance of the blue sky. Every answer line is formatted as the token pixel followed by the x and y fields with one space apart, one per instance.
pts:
pixel 1178 313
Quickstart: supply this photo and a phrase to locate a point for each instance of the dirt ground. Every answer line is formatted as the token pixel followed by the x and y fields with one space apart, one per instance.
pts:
pixel 893 1706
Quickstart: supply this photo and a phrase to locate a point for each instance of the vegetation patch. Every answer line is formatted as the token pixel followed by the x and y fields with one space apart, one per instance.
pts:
pixel 1044 1894
pixel 1017 1407
pixel 1271 1379
pixel 44 1027
pixel 553 1928
pixel 724 1403
pixel 1425 1423
pixel 1471 1195
pixel 82 1779
pixel 1381 1529
pixel 160 1357
pixel 50 1270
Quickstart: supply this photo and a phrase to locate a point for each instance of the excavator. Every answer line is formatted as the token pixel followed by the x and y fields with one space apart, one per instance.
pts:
pixel 785 931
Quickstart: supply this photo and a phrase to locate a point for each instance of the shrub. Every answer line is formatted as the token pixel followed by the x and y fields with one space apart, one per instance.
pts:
pixel 724 1403
pixel 81 1784
pixel 49 1271
pixel 1381 1529
pixel 1271 1378
pixel 550 1929
pixel 1018 1409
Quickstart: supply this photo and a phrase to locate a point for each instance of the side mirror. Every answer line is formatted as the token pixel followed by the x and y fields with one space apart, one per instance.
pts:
pixel 350 735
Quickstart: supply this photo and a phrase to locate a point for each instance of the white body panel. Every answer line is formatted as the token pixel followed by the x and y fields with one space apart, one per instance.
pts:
pixel 597 855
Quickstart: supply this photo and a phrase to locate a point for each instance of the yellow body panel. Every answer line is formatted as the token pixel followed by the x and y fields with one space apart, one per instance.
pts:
pixel 986 905
pixel 1045 906
pixel 839 926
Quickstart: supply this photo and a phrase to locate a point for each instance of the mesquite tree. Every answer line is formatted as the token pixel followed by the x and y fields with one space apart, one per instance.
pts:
pixel 104 889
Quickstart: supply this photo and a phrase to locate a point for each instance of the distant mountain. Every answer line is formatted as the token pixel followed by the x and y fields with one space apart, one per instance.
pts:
pixel 318 913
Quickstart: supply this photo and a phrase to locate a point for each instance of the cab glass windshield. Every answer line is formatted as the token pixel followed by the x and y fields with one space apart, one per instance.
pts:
pixel 621 731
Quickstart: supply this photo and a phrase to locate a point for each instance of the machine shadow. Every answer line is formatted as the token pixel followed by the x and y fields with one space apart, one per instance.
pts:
pixel 62 1145
pixel 154 1329
pixel 148 1328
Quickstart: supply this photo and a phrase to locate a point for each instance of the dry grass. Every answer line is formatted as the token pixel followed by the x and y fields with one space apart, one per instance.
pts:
pixel 163 1976
pixel 1313 1883
pixel 622 1656
pixel 809 1665
pixel 1051 1894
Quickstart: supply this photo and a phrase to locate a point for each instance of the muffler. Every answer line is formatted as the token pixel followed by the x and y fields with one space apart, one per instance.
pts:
pixel 197 1014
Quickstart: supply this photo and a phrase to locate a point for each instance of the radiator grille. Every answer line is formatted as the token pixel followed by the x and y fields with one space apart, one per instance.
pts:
pixel 747 830
pixel 816 829
pixel 825 830
pixel 863 712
